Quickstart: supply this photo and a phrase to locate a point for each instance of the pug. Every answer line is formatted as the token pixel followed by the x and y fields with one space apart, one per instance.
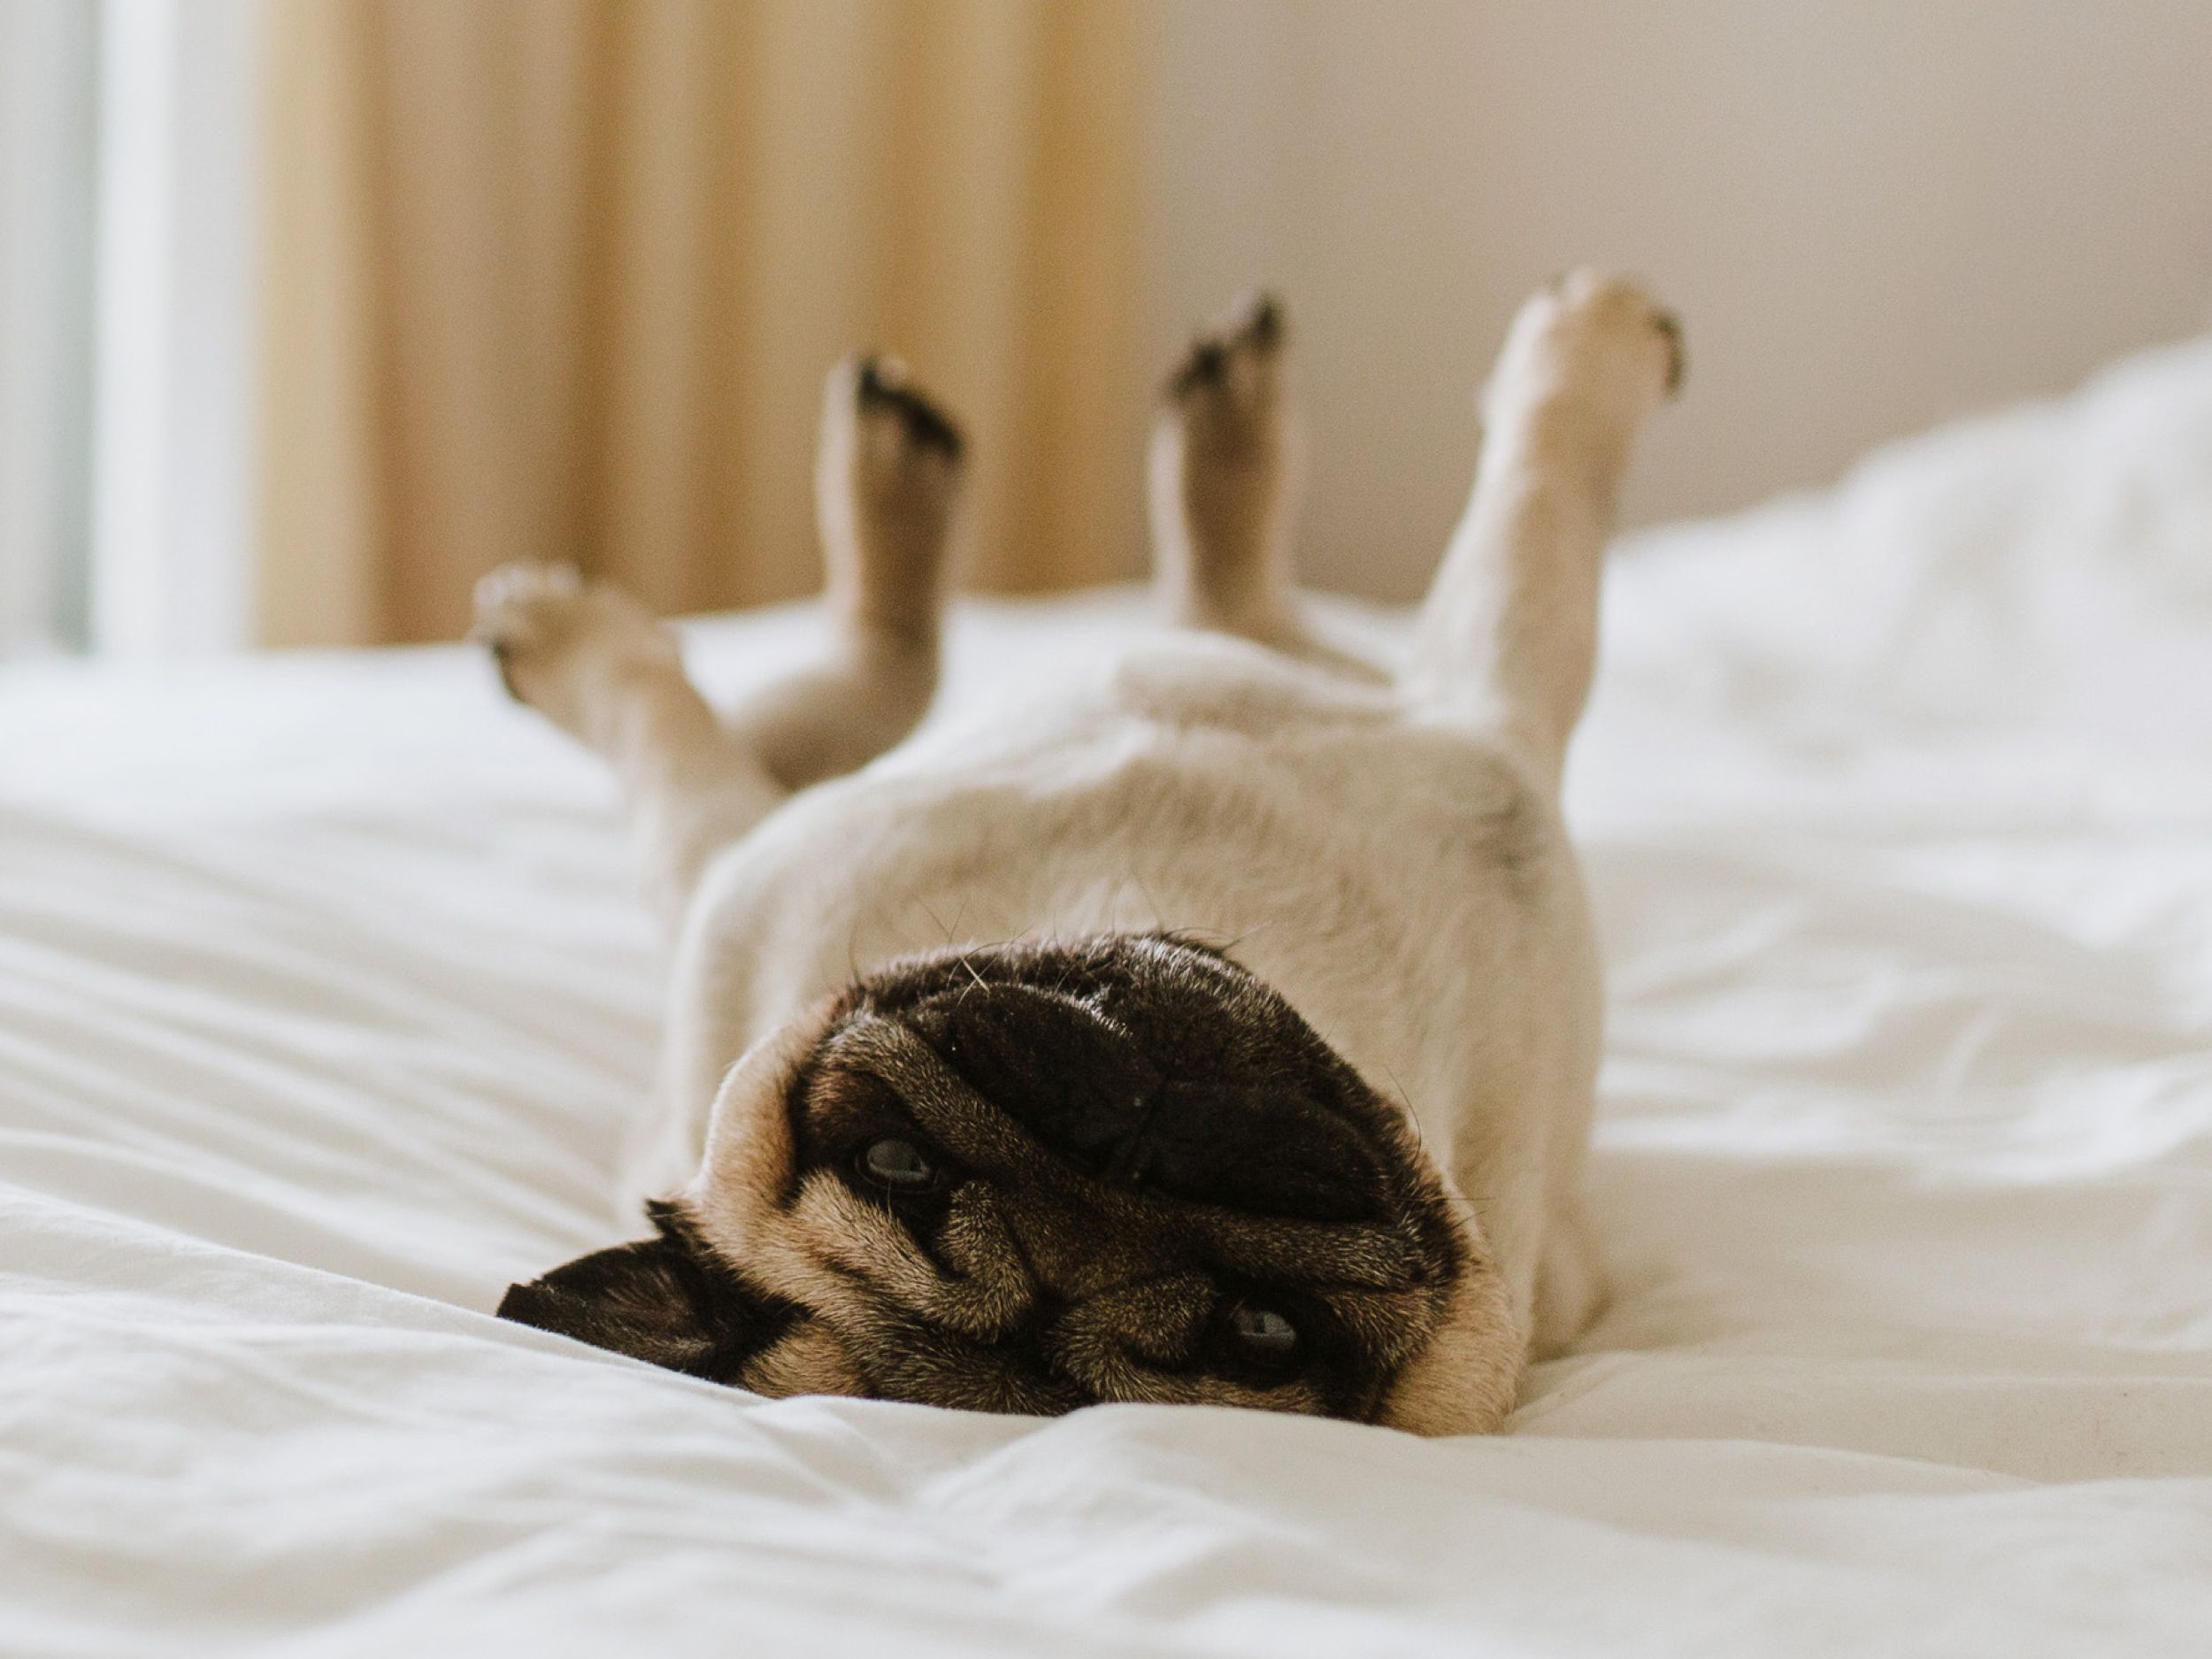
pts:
pixel 1220 1029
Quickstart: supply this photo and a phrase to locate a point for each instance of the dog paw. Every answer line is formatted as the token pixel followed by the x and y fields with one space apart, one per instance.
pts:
pixel 1596 338
pixel 884 398
pixel 887 442
pixel 557 637
pixel 1226 392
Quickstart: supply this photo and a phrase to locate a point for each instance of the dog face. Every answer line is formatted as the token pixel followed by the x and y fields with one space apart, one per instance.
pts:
pixel 1040 1177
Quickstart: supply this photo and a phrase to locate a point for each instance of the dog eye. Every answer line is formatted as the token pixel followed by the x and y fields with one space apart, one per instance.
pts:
pixel 1263 1333
pixel 897 1164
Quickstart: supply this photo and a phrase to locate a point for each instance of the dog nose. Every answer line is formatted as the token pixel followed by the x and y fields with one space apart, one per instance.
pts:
pixel 1255 1134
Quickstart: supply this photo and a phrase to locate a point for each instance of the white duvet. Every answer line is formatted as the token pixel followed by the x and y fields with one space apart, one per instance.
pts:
pixel 322 997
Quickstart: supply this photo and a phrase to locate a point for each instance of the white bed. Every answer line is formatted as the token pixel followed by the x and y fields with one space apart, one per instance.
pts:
pixel 322 995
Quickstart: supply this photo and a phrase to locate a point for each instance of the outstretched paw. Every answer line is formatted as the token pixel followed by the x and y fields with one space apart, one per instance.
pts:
pixel 887 442
pixel 1595 338
pixel 887 482
pixel 1226 393
pixel 883 394
pixel 557 637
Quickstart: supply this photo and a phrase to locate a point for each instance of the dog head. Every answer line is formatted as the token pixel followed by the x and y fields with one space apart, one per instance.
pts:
pixel 1040 1177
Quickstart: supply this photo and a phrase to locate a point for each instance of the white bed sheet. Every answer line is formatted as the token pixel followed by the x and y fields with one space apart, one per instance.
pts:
pixel 322 996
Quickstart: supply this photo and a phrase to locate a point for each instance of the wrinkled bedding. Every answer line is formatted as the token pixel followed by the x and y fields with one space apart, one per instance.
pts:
pixel 323 995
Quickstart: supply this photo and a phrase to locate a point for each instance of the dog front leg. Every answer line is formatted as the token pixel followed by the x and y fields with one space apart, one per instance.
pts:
pixel 599 665
pixel 887 484
pixel 1222 481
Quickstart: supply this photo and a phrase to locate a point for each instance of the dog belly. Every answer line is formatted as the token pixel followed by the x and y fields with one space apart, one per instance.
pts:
pixel 1399 887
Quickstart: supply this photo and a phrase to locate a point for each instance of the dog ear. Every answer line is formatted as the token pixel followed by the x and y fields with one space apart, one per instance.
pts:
pixel 670 1301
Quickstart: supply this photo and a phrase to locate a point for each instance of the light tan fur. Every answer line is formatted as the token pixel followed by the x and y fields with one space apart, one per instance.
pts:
pixel 1387 853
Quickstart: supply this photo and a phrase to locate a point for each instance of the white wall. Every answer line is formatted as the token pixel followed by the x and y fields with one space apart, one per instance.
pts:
pixel 1871 215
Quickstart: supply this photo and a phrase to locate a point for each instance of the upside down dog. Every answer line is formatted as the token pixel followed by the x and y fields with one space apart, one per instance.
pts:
pixel 1260 1073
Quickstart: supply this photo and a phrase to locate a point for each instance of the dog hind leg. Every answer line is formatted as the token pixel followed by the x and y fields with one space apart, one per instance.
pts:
pixel 1507 635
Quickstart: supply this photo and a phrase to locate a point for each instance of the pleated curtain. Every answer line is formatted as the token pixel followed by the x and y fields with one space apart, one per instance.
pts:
pixel 559 279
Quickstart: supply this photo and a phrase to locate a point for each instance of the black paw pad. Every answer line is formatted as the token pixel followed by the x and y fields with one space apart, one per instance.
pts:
pixel 927 426
pixel 1262 325
pixel 1254 327
pixel 1678 362
pixel 1207 363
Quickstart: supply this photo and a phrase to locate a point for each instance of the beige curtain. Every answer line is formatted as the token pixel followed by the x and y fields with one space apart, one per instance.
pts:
pixel 560 278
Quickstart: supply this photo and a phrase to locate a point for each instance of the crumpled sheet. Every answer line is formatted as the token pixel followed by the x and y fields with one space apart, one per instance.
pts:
pixel 323 994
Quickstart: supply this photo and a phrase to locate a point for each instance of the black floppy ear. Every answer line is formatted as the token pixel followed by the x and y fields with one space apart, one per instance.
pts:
pixel 670 1301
